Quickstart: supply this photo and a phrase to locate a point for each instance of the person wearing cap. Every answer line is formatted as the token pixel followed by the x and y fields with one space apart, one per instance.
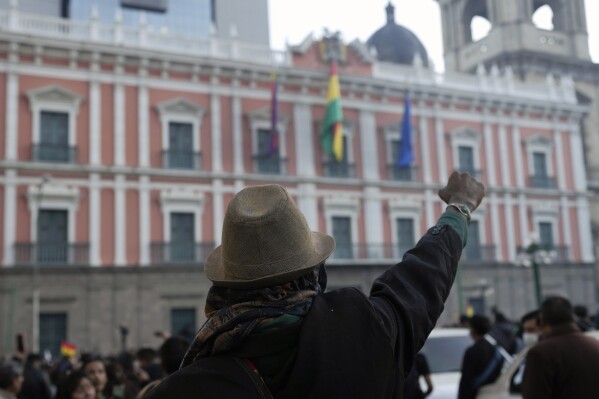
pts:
pixel 11 380
pixel 273 331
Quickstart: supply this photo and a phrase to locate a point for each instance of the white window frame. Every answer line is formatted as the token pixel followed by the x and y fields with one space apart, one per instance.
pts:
pixel 546 212
pixel 182 201
pixel 466 137
pixel 53 197
pixel 540 144
pixel 54 98
pixel 181 110
pixel 342 206
pixel 261 120
pixel 405 207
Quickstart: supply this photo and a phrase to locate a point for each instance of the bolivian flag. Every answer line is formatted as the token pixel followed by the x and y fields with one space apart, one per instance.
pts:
pixel 67 349
pixel 332 129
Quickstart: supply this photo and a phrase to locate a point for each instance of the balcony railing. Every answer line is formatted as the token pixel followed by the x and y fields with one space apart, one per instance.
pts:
pixel 476 173
pixel 54 153
pixel 402 174
pixel 93 31
pixel 385 251
pixel 270 165
pixel 172 159
pixel 479 253
pixel 547 182
pixel 339 169
pixel 551 254
pixel 180 253
pixel 27 253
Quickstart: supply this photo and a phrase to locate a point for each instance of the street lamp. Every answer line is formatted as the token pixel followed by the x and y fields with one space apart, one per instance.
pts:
pixel 535 254
pixel 35 300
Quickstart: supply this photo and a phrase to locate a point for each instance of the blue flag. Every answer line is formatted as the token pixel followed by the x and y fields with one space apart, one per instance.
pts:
pixel 405 155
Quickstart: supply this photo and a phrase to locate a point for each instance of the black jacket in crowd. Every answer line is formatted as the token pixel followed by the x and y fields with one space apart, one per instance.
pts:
pixel 475 362
pixel 348 345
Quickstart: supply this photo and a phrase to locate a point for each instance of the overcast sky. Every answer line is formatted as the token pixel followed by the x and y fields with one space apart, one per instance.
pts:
pixel 292 20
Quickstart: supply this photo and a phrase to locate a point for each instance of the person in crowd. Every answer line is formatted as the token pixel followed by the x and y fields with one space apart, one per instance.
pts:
pixel 273 331
pixel 65 365
pixel 120 384
pixel 133 377
pixel 564 363
pixel 412 389
pixel 95 367
pixel 76 385
pixel 35 385
pixel 504 332
pixel 11 379
pixel 531 328
pixel 482 362
pixel 172 351
pixel 582 318
pixel 150 363
pixel 464 321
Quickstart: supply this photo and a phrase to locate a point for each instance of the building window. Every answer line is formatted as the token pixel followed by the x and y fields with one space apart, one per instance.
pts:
pixel 343 237
pixel 54 138
pixel 53 208
pixel 182 245
pixel 540 177
pixel 54 135
pixel 183 322
pixel 341 168
pixel 52 331
pixel 546 235
pixel 267 161
pixel 466 160
pixel 473 250
pixel 540 165
pixel 180 154
pixel 395 172
pixel 466 147
pixel 181 122
pixel 182 211
pixel 52 236
pixel 341 212
pixel 344 168
pixel 405 234
pixel 260 128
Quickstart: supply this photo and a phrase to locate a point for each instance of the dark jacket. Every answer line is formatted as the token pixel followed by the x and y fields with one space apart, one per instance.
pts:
pixel 564 365
pixel 478 360
pixel 348 345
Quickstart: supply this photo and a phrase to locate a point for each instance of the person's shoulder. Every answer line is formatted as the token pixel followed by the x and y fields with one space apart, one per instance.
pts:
pixel 210 377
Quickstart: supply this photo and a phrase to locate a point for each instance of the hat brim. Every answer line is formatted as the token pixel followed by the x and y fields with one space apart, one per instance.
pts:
pixel 323 247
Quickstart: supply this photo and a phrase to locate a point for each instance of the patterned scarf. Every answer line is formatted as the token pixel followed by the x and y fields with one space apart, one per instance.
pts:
pixel 234 314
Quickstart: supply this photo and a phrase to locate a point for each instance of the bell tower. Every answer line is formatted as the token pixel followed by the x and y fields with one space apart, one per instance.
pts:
pixel 513 35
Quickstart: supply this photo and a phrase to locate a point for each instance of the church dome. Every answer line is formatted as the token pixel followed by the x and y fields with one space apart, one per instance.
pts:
pixel 395 43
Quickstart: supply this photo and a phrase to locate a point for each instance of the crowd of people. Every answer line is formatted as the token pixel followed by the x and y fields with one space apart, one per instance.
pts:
pixel 273 330
pixel 559 358
pixel 89 376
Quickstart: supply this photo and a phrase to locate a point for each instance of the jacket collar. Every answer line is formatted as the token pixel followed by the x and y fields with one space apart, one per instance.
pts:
pixel 562 329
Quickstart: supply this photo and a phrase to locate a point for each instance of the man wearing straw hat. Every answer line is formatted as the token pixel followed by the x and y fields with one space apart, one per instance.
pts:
pixel 273 332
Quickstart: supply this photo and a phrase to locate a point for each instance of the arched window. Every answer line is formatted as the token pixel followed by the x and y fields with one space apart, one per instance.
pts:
pixel 479 28
pixel 475 18
pixel 543 17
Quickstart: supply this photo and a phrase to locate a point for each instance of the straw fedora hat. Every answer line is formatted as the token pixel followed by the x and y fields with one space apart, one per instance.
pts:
pixel 266 241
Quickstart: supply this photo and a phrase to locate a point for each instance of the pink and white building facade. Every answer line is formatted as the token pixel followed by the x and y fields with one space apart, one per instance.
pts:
pixel 121 149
